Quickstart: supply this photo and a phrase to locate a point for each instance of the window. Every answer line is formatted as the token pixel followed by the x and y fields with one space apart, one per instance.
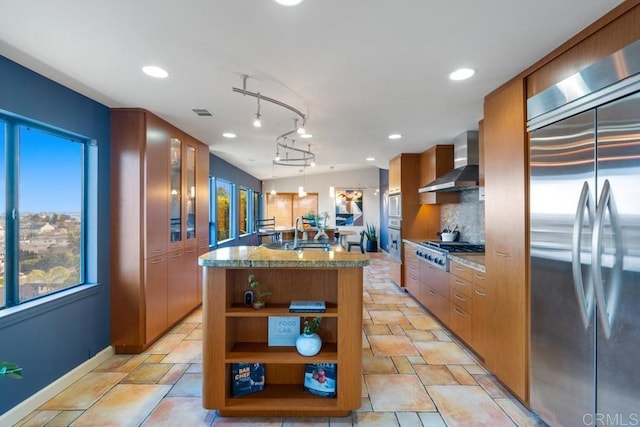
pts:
pixel 224 210
pixel 256 208
pixel 243 224
pixel 43 240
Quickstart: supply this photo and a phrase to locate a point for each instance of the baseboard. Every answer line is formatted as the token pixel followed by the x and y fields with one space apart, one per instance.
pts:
pixel 24 408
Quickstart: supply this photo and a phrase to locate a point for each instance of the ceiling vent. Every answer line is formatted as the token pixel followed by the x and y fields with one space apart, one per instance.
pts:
pixel 202 112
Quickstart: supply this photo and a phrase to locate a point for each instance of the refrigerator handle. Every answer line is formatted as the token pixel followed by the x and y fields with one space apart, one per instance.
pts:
pixel 607 306
pixel 585 299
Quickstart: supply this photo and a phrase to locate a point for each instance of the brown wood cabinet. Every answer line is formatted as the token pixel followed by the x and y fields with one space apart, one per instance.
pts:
pixel 481 303
pixel 461 300
pixel 481 190
pixel 434 291
pixel 234 333
pixel 412 271
pixel 506 182
pixel 435 162
pixel 159 206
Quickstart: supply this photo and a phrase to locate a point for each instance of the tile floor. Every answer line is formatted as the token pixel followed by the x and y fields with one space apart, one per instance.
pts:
pixel 414 374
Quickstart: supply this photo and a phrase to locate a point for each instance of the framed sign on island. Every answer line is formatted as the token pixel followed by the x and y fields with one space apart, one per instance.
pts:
pixel 234 333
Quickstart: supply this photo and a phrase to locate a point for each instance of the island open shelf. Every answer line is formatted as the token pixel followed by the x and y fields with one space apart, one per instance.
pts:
pixel 234 333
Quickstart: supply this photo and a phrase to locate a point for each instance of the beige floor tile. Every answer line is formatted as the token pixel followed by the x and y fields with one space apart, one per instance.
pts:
pixel 190 385
pixel 165 344
pixel 174 373
pixel 435 375
pixel 374 329
pixel 423 321
pixel 366 405
pixel 418 335
pixel 64 418
pixel 464 405
pixel 441 335
pixel 462 375
pixel 38 418
pixel 398 329
pixel 154 358
pixel 306 421
pixel 185 352
pixel 475 369
pixel 492 386
pixel 85 392
pixel 196 334
pixel 194 368
pixel 431 419
pixel 408 419
pixel 387 299
pixel 378 365
pixel 341 421
pixel 365 341
pixel 147 373
pixel 194 317
pixel 403 365
pixel 183 328
pixel 248 421
pixel 518 413
pixel 375 419
pixel 365 390
pixel 400 392
pixel 408 311
pixel 113 363
pixel 416 360
pixel 179 411
pixel 118 408
pixel 392 345
pixel 443 353
pixel 388 317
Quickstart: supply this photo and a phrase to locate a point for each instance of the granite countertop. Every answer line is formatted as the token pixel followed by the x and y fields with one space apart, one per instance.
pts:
pixel 257 256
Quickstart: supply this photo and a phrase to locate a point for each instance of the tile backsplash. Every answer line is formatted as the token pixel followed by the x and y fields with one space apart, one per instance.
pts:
pixel 468 215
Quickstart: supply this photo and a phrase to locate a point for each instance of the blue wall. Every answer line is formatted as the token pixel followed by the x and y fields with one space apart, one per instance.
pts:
pixel 219 168
pixel 51 339
pixel 384 207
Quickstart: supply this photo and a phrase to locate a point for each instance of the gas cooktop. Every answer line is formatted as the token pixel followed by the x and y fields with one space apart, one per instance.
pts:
pixel 454 247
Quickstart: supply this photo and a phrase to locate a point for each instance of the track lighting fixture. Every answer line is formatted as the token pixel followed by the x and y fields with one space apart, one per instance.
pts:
pixel 257 122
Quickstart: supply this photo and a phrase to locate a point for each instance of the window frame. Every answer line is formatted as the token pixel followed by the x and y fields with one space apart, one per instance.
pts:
pixel 247 211
pixel 88 216
pixel 232 214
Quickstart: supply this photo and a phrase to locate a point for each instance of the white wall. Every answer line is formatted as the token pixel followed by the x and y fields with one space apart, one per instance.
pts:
pixel 363 179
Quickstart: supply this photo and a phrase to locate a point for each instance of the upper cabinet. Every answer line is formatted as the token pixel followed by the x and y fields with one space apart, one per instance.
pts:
pixel 175 191
pixel 395 175
pixel 435 162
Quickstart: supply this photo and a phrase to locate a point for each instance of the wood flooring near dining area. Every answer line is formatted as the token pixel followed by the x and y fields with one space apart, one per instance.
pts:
pixel 415 373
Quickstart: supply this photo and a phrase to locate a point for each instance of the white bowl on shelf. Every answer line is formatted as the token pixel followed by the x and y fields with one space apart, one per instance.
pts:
pixel 448 237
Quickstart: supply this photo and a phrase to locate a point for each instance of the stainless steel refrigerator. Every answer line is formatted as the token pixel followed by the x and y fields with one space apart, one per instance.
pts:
pixel 585 264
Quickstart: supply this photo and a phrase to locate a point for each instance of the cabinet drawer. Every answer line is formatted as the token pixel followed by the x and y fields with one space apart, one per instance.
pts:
pixel 436 304
pixel 461 300
pixel 460 322
pixel 460 285
pixel 479 278
pixel 461 270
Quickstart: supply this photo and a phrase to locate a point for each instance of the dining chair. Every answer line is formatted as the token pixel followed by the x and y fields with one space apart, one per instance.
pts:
pixel 266 227
pixel 359 243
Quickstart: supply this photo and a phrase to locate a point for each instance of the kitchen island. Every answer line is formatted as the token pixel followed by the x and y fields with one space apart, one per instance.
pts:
pixel 235 333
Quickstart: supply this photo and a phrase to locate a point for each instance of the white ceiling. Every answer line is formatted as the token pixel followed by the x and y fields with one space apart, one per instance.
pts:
pixel 360 69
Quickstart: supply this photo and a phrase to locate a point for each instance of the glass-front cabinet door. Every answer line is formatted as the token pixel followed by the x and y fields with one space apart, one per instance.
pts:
pixel 191 192
pixel 175 209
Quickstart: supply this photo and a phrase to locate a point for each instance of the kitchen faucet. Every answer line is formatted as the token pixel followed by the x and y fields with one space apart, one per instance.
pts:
pixel 295 232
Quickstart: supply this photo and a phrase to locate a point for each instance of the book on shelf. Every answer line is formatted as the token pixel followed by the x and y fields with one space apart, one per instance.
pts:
pixel 283 330
pixel 320 379
pixel 307 307
pixel 246 378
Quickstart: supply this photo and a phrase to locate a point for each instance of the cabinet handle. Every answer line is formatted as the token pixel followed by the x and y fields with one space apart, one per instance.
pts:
pixel 155 251
pixel 157 261
pixel 459 268
pixel 178 255
pixel 432 292
pixel 480 293
pixel 190 251
pixel 479 276
pixel 459 297
pixel 503 254
pixel 461 313
pixel 460 283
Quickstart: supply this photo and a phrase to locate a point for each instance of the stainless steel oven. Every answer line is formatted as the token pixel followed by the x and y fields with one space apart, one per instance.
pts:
pixel 395 238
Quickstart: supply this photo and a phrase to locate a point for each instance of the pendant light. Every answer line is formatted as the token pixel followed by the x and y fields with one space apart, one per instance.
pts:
pixel 257 122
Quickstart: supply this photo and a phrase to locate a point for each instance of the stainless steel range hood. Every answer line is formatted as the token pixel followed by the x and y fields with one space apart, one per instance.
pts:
pixel 465 172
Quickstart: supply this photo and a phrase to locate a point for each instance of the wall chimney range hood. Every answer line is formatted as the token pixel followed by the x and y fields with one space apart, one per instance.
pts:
pixel 465 173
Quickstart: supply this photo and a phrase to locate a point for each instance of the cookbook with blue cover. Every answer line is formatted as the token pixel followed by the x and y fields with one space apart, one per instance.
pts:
pixel 246 378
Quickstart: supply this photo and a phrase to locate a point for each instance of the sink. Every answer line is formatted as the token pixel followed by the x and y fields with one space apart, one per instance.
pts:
pixel 304 245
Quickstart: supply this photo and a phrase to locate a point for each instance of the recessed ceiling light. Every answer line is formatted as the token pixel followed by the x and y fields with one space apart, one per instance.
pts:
pixel 229 135
pixel 395 136
pixel 306 136
pixel 462 74
pixel 370 159
pixel 153 71
pixel 289 2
